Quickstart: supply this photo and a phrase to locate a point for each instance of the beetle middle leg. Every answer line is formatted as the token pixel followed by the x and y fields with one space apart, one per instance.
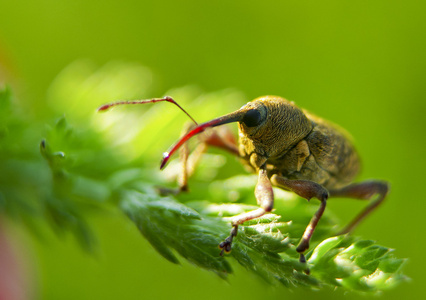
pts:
pixel 306 189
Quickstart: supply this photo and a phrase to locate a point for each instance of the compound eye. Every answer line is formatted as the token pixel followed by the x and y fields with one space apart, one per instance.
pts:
pixel 252 118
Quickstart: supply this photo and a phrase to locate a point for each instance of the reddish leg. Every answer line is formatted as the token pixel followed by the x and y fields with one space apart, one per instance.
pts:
pixel 220 137
pixel 306 189
pixel 362 191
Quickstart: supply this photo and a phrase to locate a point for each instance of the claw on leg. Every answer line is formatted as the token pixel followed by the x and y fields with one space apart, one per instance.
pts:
pixel 226 245
pixel 302 259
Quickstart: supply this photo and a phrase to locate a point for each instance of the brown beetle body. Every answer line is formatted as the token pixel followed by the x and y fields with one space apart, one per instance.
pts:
pixel 289 148
pixel 298 145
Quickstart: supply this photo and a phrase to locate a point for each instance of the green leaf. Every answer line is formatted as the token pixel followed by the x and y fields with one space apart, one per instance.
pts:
pixel 265 246
pixel 166 224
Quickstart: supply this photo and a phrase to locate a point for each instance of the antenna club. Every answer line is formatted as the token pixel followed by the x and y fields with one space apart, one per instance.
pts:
pixel 104 107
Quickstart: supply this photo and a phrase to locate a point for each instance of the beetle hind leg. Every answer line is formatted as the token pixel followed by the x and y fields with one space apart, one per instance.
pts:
pixel 365 190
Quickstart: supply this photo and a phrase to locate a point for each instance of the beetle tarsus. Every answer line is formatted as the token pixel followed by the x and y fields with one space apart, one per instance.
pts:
pixel 302 259
pixel 226 245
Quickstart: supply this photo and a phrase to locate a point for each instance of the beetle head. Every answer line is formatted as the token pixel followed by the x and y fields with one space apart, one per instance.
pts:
pixel 281 125
pixel 268 126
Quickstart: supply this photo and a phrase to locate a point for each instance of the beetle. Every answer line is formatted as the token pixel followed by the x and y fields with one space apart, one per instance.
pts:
pixel 289 148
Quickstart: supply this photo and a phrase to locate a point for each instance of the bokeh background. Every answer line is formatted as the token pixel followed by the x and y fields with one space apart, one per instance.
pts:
pixel 361 64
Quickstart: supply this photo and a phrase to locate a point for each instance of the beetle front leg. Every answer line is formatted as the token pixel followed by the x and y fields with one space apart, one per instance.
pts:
pixel 306 189
pixel 187 165
pixel 220 138
pixel 265 198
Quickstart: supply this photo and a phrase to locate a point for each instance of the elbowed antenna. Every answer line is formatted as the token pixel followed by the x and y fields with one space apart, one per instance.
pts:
pixel 167 98
pixel 235 116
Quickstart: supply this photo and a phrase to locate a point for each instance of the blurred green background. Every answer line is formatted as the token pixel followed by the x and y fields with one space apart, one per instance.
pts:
pixel 361 64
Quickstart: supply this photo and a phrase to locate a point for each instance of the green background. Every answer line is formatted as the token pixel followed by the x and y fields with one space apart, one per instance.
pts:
pixel 360 64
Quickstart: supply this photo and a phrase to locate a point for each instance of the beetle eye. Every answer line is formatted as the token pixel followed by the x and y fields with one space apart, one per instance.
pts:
pixel 252 118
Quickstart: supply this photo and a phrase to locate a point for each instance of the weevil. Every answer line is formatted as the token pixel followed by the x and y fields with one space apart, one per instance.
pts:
pixel 289 148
